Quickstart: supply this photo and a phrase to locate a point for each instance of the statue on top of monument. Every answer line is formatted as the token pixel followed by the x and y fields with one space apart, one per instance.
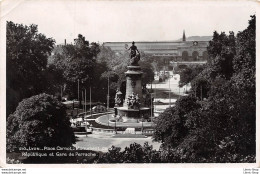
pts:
pixel 134 54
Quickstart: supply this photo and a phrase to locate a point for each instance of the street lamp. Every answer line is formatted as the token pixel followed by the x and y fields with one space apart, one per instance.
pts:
pixel 142 124
pixel 154 96
pixel 115 126
pixel 201 92
pixel 78 90
pixel 151 108
pixel 179 90
pixel 108 119
pixel 108 92
pixel 61 93
pixel 85 102
pixel 90 101
pixel 82 98
pixel 169 92
pixel 78 99
pixel 195 89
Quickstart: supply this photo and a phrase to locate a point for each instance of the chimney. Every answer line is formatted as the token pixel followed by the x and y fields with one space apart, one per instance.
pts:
pixel 183 37
pixel 65 42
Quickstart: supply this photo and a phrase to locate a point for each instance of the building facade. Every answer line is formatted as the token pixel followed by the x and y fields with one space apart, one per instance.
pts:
pixel 181 50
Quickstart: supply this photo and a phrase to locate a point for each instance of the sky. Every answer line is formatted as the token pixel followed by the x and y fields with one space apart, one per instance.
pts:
pixel 109 21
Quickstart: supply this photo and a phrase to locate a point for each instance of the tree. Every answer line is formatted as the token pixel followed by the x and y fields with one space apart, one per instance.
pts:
pixel 200 87
pixel 185 76
pixel 244 62
pixel 232 101
pixel 168 129
pixel 105 78
pixel 221 128
pixel 107 56
pixel 26 60
pixel 147 69
pixel 244 90
pixel 37 122
pixel 53 80
pixel 77 62
pixel 170 125
pixel 222 50
pixel 112 156
pixel 135 153
pixel 189 73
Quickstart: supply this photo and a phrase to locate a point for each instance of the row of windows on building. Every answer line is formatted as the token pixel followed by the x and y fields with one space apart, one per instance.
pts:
pixel 195 56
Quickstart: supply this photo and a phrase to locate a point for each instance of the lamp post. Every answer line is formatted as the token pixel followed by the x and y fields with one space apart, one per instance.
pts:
pixel 142 124
pixel 115 127
pixel 155 96
pixel 195 89
pixel 108 119
pixel 151 108
pixel 78 99
pixel 78 90
pixel 82 101
pixel 61 93
pixel 169 93
pixel 179 90
pixel 201 92
pixel 108 92
pixel 90 101
pixel 85 101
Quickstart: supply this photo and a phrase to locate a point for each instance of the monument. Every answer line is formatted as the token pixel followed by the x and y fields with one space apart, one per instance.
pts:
pixel 133 108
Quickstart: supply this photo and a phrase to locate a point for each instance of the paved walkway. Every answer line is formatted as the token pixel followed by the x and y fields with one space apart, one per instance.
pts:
pixel 103 141
pixel 170 84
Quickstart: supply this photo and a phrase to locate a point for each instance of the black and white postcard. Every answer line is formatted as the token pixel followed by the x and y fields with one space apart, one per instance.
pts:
pixel 162 83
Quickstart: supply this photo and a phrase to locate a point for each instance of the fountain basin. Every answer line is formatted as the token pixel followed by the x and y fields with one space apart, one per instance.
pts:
pixel 133 115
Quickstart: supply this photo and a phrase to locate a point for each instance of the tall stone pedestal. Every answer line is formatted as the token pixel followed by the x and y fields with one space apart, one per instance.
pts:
pixel 133 114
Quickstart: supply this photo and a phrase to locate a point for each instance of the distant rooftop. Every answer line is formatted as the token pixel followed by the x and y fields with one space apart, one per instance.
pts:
pixel 191 38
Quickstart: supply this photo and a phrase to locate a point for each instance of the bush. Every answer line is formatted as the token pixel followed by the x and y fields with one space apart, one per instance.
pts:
pixel 135 153
pixel 37 122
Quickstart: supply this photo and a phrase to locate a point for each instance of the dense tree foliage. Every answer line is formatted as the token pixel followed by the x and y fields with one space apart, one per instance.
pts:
pixel 147 69
pixel 37 122
pixel 222 126
pixel 94 65
pixel 222 50
pixel 117 63
pixel 200 87
pixel 189 73
pixel 77 62
pixel 135 153
pixel 26 62
pixel 170 127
